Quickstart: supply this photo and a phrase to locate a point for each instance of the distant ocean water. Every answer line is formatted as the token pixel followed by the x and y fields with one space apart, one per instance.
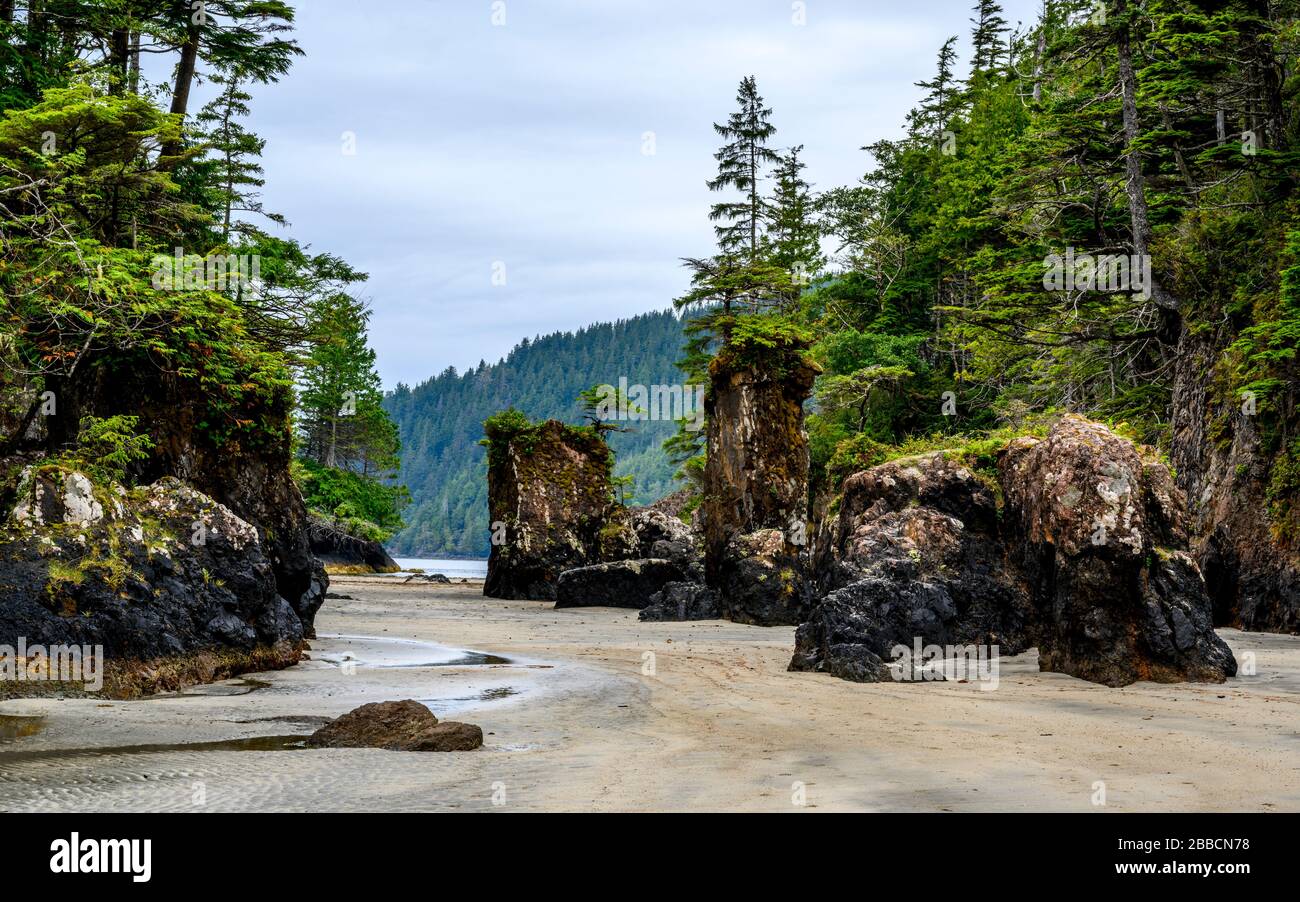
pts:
pixel 470 568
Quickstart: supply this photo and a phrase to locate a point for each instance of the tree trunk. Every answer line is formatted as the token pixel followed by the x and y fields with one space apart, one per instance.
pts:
pixel 133 77
pixel 184 81
pixel 1135 182
pixel 119 58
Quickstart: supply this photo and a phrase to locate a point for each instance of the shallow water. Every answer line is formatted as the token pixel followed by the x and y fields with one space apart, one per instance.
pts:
pixel 470 568
pixel 379 651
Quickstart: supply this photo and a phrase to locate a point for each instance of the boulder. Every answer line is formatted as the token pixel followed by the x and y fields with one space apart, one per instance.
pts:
pixel 405 726
pixel 619 584
pixel 152 575
pixel 1086 559
pixel 1095 524
pixel 683 601
pixel 914 555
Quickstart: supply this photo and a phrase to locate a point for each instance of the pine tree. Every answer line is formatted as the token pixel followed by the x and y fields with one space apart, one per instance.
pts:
pixel 740 165
pixel 793 240
pixel 942 96
pixel 234 153
pixel 987 44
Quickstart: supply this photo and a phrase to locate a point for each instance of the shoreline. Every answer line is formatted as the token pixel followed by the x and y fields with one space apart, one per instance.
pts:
pixel 607 713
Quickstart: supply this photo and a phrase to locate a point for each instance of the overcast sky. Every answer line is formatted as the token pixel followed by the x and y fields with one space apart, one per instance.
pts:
pixel 522 144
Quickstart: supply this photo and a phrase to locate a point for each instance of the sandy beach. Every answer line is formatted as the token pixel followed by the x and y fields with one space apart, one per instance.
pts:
pixel 591 710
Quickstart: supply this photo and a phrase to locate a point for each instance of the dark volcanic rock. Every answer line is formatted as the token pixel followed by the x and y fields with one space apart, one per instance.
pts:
pixel 341 552
pixel 760 580
pixel 1096 528
pixel 620 584
pixel 1087 560
pixel 683 601
pixel 549 496
pixel 913 555
pixel 309 602
pixel 405 726
pixel 156 573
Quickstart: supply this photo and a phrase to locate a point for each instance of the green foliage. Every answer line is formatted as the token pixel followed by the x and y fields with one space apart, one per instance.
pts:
pixel 106 448
pixel 770 343
pixel 364 507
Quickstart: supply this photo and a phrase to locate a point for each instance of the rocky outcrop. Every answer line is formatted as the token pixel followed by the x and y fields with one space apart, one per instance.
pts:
pixel 405 726
pixel 682 601
pixel 154 575
pixel 550 505
pixel 620 584
pixel 1085 559
pixel 914 554
pixel 341 552
pixel 754 510
pixel 246 470
pixel 1096 527
pixel 1227 451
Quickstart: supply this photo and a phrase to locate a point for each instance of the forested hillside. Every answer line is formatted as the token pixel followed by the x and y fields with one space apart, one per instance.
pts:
pixel 441 422
pixel 1098 215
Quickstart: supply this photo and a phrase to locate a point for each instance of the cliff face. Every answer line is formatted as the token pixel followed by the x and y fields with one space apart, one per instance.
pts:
pixel 755 503
pixel 1224 466
pixel 551 507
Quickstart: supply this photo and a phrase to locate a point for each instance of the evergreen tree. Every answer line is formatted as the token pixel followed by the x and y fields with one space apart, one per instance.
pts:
pixel 235 154
pixel 989 48
pixel 740 166
pixel 942 95
pixel 793 239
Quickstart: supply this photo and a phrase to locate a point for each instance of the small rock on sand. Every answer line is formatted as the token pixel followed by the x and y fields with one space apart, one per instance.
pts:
pixel 405 726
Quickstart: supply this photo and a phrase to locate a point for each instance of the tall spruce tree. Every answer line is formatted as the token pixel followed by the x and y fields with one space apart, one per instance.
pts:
pixel 741 162
pixel 988 46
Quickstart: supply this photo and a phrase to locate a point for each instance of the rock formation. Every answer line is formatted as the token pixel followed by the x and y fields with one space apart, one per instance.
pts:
pixel 682 601
pixel 341 552
pixel 913 554
pixel 405 726
pixel 175 586
pixel 1086 559
pixel 1227 451
pixel 754 511
pixel 1097 529
pixel 551 506
pixel 619 584
pixel 248 472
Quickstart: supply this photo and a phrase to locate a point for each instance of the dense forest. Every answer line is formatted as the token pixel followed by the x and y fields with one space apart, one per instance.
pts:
pixel 151 304
pixel 441 422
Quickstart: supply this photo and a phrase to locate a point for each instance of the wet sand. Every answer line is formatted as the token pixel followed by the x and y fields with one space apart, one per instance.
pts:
pixel 592 710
